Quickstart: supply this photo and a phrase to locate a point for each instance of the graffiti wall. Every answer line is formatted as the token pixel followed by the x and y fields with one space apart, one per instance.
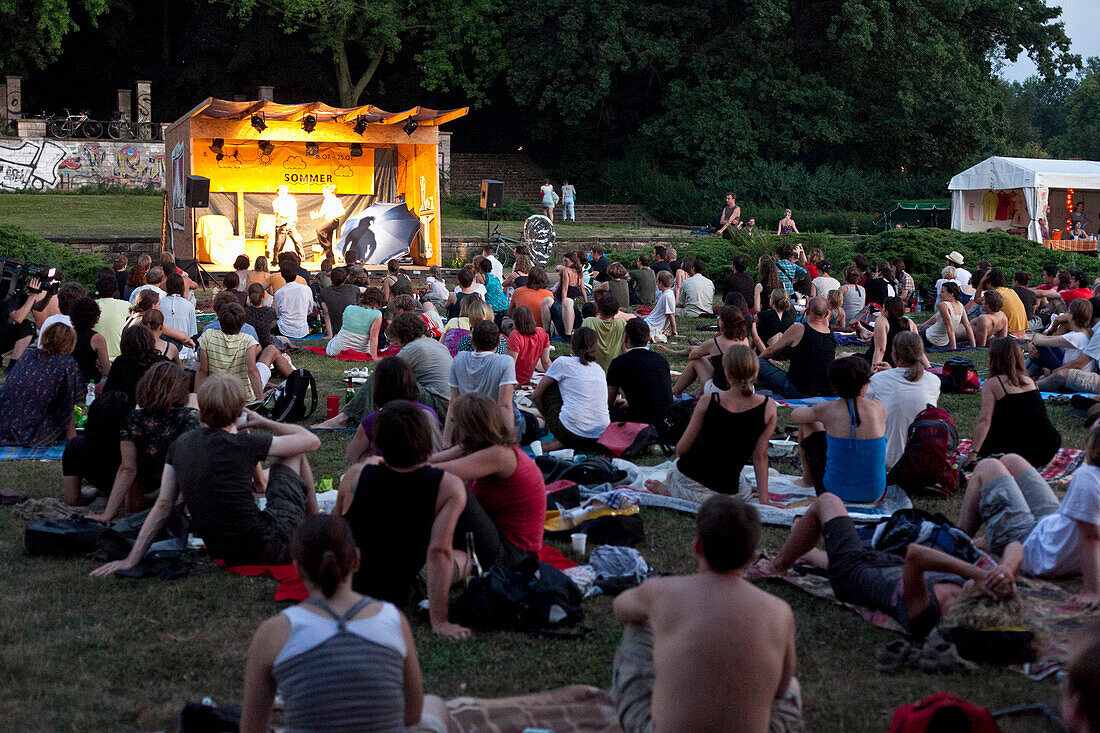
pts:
pixel 39 164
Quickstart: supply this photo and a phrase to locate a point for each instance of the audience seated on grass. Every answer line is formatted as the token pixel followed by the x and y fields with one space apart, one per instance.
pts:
pixel 853 296
pixel 139 352
pixel 90 351
pixel 696 294
pixel 66 298
pixel 335 298
pixel 810 346
pixel 154 321
pixel 992 323
pixel 903 391
pixel 360 325
pixel 1013 417
pixel 739 281
pixel 1081 691
pixel 888 326
pixel 535 296
pixel 470 311
pixel 705 360
pixel 258 316
pixel 500 477
pixel 228 351
pixel 773 321
pixel 93 457
pixel 609 330
pixel 1011 499
pixel 154 278
pixel 709 651
pixel 569 294
pixel 1064 341
pixel 149 300
pixel 843 442
pixel 572 396
pixel 467 286
pixel 340 660
pixel 292 303
pixel 528 344
pixel 728 430
pixel 662 319
pixel 641 376
pixel 480 311
pixel 916 591
pixel 393 379
pixel 615 284
pixel 488 373
pixel 403 514
pixel 162 415
pixel 220 300
pixel 944 327
pixel 212 469
pixel 179 312
pixel 113 314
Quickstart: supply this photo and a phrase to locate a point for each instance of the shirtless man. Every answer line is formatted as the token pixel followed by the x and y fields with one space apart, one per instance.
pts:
pixel 993 323
pixel 708 651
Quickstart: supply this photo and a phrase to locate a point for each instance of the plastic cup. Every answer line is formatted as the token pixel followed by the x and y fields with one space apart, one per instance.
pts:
pixel 580 541
pixel 332 403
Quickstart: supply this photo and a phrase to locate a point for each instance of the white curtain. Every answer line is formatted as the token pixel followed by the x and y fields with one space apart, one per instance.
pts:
pixel 957 210
pixel 1034 211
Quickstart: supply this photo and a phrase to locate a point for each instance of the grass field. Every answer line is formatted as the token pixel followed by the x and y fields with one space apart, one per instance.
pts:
pixel 83 654
pixel 74 215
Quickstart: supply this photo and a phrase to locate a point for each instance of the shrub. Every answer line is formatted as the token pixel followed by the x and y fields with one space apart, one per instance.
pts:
pixel 18 244
pixel 466 207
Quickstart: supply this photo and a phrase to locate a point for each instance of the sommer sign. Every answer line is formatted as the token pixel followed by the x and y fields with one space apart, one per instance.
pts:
pixel 246 168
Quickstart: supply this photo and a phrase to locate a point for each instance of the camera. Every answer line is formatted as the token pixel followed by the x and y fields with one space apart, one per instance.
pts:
pixel 15 276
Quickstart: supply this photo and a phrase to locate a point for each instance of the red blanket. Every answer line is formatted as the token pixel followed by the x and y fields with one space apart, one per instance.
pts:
pixel 349 355
pixel 291 587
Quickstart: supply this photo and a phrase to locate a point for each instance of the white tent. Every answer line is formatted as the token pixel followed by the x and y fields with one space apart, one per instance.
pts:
pixel 1014 193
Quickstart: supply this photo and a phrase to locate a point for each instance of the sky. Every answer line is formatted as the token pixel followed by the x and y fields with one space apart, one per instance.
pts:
pixel 1081 18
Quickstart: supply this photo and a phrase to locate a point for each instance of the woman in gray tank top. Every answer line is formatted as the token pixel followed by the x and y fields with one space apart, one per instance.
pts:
pixel 341 661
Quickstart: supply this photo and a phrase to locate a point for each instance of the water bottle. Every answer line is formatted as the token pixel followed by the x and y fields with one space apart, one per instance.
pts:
pixel 90 397
pixel 471 554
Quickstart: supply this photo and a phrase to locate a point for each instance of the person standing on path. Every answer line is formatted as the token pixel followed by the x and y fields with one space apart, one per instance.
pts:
pixel 549 199
pixel 568 196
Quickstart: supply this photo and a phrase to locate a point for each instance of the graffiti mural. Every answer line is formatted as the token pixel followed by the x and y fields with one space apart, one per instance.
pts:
pixel 39 164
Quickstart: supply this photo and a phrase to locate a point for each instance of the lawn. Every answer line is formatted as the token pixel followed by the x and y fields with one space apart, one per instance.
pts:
pixel 75 215
pixel 83 654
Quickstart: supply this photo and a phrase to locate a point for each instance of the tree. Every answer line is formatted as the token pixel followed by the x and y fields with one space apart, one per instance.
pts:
pixel 1082 137
pixel 455 44
pixel 32 31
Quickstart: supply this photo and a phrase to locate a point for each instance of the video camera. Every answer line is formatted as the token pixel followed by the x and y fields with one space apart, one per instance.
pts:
pixel 16 275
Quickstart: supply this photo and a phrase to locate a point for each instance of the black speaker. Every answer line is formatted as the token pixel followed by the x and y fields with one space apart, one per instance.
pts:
pixel 198 192
pixel 492 194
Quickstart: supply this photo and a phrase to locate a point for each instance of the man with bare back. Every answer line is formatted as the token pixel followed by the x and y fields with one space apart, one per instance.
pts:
pixel 709 651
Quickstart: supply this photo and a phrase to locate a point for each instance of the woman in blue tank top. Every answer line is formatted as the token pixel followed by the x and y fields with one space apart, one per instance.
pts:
pixel 843 442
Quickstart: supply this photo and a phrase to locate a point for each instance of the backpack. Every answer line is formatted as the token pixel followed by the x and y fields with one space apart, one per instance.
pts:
pixel 957 375
pixel 288 402
pixel 942 713
pixel 530 596
pixel 626 439
pixel 71 537
pixel 671 428
pixel 927 467
pixel 908 526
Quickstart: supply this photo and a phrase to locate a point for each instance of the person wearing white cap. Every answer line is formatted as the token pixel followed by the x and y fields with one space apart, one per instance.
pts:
pixel 962 276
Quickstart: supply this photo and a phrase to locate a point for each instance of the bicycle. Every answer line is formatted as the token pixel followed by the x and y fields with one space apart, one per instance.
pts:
pixel 70 125
pixel 505 249
pixel 119 129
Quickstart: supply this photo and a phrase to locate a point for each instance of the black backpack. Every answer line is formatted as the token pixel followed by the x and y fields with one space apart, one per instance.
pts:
pixel 71 537
pixel 531 596
pixel 288 402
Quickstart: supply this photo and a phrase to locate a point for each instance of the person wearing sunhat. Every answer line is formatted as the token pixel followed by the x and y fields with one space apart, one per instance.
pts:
pixel 962 277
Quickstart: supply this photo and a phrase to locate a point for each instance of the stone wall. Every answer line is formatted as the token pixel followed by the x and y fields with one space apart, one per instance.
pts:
pixel 40 163
pixel 109 245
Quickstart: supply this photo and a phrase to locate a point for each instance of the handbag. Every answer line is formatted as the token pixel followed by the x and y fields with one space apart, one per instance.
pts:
pixel 626 439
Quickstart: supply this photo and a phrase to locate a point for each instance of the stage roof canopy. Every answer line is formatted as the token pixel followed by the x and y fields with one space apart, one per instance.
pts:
pixel 222 109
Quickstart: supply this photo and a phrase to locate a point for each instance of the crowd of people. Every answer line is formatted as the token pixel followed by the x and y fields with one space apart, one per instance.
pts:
pixel 437 483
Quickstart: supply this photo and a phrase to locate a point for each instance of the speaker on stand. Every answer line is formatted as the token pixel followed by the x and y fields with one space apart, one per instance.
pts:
pixel 492 197
pixel 197 196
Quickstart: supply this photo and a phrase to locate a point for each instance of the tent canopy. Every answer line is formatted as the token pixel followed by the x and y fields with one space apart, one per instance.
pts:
pixel 1004 173
pixel 221 109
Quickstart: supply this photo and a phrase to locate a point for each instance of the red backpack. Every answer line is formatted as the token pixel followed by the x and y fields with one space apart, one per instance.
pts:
pixel 928 465
pixel 942 713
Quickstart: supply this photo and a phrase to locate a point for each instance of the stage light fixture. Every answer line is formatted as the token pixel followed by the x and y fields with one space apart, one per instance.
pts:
pixel 309 122
pixel 216 146
pixel 356 150
pixel 360 125
pixel 258 123
pixel 410 126
pixel 312 149
pixel 266 147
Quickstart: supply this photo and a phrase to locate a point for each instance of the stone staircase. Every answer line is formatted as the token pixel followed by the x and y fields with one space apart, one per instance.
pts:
pixel 522 179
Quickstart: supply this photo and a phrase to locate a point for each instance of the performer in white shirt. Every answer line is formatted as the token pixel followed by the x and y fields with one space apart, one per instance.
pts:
pixel 330 212
pixel 286 221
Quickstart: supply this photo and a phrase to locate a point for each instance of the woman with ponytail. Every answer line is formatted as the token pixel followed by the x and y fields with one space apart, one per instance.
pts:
pixel 728 429
pixel 572 395
pixel 341 660
pixel 904 390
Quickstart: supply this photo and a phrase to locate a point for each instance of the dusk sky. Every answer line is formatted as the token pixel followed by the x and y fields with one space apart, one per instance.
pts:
pixel 1081 18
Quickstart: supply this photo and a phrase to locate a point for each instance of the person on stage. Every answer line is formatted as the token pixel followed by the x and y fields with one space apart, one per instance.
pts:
pixel 330 212
pixel 286 221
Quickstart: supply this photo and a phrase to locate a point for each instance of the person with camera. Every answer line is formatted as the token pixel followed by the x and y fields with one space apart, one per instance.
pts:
pixel 16 332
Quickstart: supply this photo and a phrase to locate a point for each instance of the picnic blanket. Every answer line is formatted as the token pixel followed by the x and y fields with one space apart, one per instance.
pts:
pixel 352 355
pixel 1053 605
pixel 38 453
pixel 793 500
pixel 572 709
pixel 1057 473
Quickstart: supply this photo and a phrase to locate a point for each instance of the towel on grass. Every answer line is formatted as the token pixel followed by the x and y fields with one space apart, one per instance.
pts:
pixel 572 709
pixel 38 453
pixel 1057 473
pixel 351 355
pixel 793 500
pixel 311 337
pixel 1052 604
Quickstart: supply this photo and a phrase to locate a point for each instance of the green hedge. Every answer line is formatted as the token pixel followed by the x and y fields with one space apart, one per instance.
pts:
pixel 18 244
pixel 466 207
pixel 922 249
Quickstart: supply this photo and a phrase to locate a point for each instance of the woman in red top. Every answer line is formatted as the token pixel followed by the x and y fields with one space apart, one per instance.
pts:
pixel 503 479
pixel 528 344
